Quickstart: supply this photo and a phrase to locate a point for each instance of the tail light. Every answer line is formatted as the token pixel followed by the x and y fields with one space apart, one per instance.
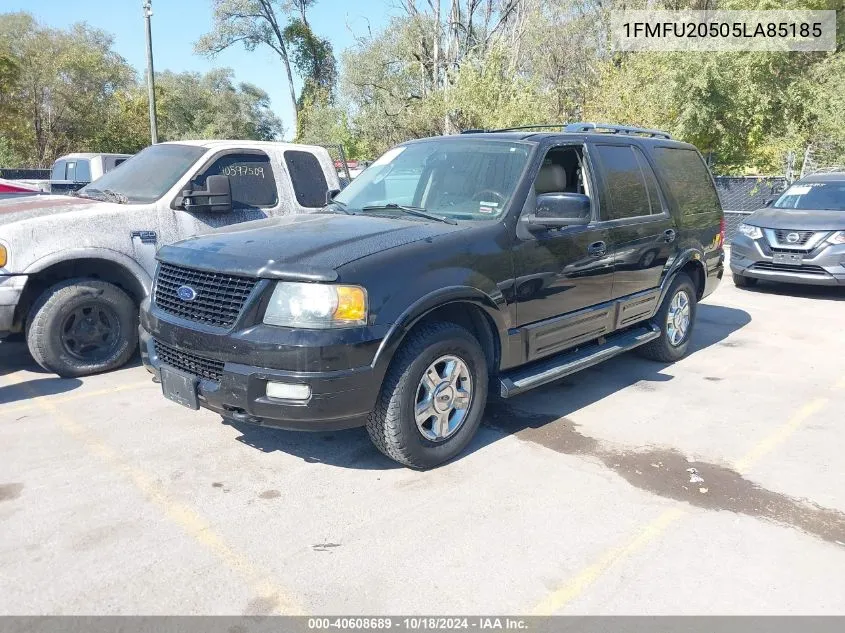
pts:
pixel 722 231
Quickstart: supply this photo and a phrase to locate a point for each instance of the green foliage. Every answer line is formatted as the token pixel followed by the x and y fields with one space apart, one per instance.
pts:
pixel 67 91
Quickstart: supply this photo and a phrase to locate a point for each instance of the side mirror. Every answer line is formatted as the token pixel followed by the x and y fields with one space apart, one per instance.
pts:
pixel 768 202
pixel 330 194
pixel 561 209
pixel 215 198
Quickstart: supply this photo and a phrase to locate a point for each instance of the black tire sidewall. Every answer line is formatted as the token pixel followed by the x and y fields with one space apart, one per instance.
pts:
pixel 50 311
pixel 422 451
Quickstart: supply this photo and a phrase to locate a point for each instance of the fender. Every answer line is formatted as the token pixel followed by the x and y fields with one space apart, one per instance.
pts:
pixel 684 258
pixel 437 299
pixel 140 275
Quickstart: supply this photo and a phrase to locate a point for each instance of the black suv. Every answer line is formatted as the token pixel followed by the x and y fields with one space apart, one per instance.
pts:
pixel 453 265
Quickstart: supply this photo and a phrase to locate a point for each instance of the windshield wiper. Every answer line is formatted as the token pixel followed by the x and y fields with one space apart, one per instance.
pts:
pixel 340 205
pixel 106 195
pixel 417 211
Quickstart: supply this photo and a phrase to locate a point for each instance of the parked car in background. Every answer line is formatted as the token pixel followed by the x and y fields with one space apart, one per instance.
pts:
pixel 799 239
pixel 74 171
pixel 14 189
pixel 451 264
pixel 75 290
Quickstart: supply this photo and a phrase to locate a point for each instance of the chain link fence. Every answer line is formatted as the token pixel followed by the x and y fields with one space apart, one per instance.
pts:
pixel 742 195
pixel 24 174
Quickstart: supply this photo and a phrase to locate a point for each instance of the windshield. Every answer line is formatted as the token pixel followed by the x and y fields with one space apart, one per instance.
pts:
pixel 464 179
pixel 828 196
pixel 148 175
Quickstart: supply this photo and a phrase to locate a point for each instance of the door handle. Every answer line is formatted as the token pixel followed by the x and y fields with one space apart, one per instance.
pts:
pixel 597 249
pixel 669 235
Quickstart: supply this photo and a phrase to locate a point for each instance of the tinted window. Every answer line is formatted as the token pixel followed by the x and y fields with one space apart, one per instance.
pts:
pixel 59 168
pixel 250 176
pixel 306 174
pixel 83 171
pixel 626 186
pixel 688 180
pixel 651 186
pixel 118 161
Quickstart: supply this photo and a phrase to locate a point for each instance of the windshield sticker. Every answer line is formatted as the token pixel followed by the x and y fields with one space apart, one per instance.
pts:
pixel 487 207
pixel 388 156
pixel 798 190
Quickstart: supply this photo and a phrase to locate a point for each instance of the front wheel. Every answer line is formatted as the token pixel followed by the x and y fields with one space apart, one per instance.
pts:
pixel 675 318
pixel 433 397
pixel 81 327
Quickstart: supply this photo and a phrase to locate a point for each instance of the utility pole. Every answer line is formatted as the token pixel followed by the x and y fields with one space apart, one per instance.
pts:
pixel 148 12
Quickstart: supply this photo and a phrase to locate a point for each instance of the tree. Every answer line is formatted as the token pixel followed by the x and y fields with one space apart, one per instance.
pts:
pixel 262 23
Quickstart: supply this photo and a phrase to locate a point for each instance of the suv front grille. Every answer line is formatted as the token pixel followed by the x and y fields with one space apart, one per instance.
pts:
pixel 219 297
pixel 806 269
pixel 803 237
pixel 186 361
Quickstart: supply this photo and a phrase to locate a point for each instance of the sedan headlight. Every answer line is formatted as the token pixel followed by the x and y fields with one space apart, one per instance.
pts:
pixel 308 305
pixel 754 232
pixel 837 238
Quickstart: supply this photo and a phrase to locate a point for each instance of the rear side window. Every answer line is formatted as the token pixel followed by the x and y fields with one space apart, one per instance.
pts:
pixel 309 181
pixel 688 179
pixel 59 170
pixel 251 177
pixel 83 171
pixel 626 184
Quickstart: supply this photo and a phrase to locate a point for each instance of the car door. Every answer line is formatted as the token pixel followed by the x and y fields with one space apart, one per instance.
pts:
pixel 643 234
pixel 254 192
pixel 561 273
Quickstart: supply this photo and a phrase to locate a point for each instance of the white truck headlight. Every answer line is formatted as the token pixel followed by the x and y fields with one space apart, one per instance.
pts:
pixel 313 305
pixel 754 232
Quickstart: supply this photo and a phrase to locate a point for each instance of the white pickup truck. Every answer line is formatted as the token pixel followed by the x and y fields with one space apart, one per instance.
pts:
pixel 73 270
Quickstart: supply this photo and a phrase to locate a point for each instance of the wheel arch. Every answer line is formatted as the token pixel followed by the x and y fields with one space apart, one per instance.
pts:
pixel 103 264
pixel 689 262
pixel 464 306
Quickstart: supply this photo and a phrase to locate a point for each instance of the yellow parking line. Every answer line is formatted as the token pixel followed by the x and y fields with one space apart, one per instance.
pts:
pixel 561 597
pixel 33 403
pixel 185 517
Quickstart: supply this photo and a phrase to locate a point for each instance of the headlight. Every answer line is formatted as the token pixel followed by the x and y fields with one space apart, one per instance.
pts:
pixel 4 256
pixel 321 306
pixel 837 238
pixel 753 232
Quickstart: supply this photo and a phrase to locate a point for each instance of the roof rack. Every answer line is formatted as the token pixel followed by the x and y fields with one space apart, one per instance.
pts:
pixel 602 128
pixel 615 129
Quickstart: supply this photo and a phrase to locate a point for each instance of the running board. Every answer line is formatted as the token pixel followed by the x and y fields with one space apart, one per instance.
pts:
pixel 547 370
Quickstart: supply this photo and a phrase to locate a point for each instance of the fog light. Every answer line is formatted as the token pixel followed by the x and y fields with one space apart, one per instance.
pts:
pixel 288 392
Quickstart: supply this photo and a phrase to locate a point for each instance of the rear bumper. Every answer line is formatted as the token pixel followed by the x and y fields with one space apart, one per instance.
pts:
pixel 11 288
pixel 825 266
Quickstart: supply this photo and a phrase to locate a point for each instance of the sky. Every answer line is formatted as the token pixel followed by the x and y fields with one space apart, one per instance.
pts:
pixel 177 24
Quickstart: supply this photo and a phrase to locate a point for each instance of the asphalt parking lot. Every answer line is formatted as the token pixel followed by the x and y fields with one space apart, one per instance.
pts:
pixel 576 498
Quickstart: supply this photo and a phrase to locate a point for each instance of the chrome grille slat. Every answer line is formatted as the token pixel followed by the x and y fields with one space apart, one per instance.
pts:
pixel 220 297
pixel 806 269
pixel 192 363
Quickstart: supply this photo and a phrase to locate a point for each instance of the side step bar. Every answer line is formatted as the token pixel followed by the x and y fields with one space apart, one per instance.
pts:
pixel 547 370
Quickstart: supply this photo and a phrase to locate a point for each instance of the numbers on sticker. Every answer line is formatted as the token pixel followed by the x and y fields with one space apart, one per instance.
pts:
pixel 243 170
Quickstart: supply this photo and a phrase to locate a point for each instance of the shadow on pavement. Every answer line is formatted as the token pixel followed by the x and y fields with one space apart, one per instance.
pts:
pixel 818 293
pixel 38 387
pixel 353 449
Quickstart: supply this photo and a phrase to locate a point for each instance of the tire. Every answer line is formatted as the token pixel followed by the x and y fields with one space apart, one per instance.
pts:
pixel 106 319
pixel 741 281
pixel 393 427
pixel 663 349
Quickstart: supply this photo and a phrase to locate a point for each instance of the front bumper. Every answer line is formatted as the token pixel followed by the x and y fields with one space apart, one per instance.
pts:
pixel 341 396
pixel 823 266
pixel 11 288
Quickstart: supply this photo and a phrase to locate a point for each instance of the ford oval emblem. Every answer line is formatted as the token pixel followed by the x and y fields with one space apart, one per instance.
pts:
pixel 186 293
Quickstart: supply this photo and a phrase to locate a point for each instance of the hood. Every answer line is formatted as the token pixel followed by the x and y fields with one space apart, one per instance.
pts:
pixel 307 247
pixel 24 208
pixel 797 219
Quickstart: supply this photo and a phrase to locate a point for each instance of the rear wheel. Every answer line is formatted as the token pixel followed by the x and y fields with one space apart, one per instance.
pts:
pixel 675 318
pixel 81 327
pixel 741 281
pixel 433 397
